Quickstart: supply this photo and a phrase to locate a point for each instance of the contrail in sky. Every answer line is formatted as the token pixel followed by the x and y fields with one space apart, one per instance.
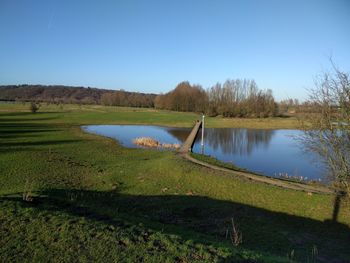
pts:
pixel 49 25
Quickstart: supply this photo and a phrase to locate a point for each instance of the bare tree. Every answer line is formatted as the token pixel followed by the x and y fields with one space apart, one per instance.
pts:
pixel 185 97
pixel 240 98
pixel 329 134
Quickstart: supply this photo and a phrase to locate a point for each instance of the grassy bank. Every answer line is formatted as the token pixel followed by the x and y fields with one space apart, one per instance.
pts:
pixel 94 199
pixel 214 161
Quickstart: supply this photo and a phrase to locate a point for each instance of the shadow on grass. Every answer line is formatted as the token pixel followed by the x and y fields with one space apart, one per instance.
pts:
pixel 15 114
pixel 200 218
pixel 38 143
pixel 13 118
pixel 19 120
pixel 339 197
pixel 14 128
pixel 16 136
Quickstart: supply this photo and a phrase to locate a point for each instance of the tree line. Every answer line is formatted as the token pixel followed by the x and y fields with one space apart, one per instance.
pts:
pixel 130 99
pixel 185 97
pixel 233 98
pixel 75 95
pixel 241 98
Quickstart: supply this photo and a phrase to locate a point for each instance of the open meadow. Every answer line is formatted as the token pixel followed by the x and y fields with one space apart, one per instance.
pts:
pixel 71 196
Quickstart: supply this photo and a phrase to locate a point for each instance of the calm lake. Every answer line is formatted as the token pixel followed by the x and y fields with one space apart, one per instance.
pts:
pixel 270 152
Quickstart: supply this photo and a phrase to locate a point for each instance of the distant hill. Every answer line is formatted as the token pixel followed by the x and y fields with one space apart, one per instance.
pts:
pixel 69 94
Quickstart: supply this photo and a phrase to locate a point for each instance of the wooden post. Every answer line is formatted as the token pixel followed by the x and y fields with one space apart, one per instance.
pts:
pixel 202 142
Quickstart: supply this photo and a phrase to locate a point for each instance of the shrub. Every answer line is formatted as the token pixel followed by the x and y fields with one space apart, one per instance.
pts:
pixel 33 107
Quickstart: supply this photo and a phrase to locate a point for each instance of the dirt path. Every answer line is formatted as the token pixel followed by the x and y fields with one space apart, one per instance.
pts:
pixel 263 179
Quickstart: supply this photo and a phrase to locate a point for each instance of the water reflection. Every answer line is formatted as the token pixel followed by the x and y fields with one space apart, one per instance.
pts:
pixel 269 152
pixel 237 141
pixel 125 134
pixel 179 133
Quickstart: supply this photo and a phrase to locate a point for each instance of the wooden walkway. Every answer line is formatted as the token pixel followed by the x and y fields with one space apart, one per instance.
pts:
pixel 187 146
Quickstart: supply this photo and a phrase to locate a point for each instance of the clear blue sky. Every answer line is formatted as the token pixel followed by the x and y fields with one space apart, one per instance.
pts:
pixel 150 46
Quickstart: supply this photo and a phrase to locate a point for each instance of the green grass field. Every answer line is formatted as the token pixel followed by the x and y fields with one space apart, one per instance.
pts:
pixel 94 200
pixel 96 114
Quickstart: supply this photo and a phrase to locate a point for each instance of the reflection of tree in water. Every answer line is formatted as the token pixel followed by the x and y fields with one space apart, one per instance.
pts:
pixel 237 141
pixel 179 133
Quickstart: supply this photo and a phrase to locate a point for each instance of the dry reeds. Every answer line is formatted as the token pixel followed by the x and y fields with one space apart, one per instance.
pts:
pixel 149 142
pixel 175 146
pixel 27 194
pixel 235 234
pixel 146 141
